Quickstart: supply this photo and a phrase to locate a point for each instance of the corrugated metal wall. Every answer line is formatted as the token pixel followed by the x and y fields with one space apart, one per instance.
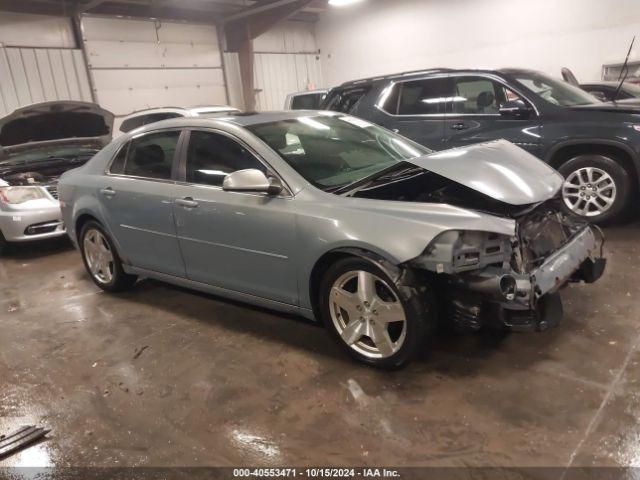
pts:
pixel 137 64
pixel 286 61
pixel 33 75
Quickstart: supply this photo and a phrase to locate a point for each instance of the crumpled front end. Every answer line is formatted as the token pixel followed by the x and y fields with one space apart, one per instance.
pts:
pixel 488 278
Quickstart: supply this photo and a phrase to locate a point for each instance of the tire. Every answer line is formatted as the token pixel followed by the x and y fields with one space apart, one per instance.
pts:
pixel 601 198
pixel 342 285
pixel 111 277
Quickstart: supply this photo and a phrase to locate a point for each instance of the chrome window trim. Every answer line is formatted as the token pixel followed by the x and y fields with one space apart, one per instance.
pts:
pixel 392 84
pixel 286 188
pixel 108 173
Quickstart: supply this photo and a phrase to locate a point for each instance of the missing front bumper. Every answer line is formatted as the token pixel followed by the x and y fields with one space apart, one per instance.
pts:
pixel 536 305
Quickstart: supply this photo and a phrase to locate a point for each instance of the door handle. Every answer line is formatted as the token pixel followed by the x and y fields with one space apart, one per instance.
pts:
pixel 459 126
pixel 108 192
pixel 395 130
pixel 187 202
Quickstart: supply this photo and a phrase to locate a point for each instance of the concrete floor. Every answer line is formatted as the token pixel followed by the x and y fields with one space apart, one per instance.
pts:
pixel 166 377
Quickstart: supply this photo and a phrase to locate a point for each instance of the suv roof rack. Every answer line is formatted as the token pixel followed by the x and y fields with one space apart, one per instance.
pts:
pixel 392 75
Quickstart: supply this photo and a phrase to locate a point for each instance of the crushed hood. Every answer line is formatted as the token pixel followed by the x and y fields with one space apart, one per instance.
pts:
pixel 54 122
pixel 498 169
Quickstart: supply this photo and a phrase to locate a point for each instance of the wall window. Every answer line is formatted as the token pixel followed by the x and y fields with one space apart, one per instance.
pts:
pixel 212 156
pixel 151 156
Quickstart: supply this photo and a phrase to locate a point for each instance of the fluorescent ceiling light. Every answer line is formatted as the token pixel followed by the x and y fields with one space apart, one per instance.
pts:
pixel 342 3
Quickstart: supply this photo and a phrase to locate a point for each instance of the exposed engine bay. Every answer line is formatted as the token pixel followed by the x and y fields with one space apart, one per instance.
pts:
pixel 486 277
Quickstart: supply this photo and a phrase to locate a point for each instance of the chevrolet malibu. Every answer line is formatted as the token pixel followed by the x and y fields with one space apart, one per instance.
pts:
pixel 336 219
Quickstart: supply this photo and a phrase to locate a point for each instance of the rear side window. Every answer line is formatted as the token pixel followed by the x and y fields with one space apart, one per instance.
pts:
pixel 346 101
pixel 151 156
pixel 131 123
pixel 309 101
pixel 117 165
pixel 423 97
pixel 157 117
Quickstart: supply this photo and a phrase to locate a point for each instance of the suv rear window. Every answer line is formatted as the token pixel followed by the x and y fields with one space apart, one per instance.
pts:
pixel 307 101
pixel 346 100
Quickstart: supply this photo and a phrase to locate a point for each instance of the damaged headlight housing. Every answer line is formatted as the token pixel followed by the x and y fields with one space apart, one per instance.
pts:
pixel 19 195
pixel 457 251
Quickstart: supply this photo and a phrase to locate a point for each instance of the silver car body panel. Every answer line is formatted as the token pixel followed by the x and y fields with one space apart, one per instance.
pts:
pixel 499 169
pixel 265 247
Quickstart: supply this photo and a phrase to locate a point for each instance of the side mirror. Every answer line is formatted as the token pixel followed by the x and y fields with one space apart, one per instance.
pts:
pixel 251 180
pixel 515 109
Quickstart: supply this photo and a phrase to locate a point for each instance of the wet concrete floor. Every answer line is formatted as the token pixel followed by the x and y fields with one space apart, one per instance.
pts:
pixel 162 376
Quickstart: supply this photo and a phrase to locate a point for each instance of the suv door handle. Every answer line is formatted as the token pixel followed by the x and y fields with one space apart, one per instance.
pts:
pixel 108 192
pixel 187 202
pixel 459 126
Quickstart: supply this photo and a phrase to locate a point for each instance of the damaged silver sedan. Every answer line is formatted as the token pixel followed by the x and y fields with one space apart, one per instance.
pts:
pixel 37 144
pixel 331 217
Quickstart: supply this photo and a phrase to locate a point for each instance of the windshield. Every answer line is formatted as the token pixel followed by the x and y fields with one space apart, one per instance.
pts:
pixel 555 91
pixel 332 150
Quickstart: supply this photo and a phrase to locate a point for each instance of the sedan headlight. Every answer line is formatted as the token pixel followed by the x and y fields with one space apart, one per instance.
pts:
pixel 18 195
pixel 456 251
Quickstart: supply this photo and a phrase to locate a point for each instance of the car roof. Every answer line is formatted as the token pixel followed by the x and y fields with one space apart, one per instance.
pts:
pixel 198 109
pixel 255 118
pixel 241 120
pixel 430 71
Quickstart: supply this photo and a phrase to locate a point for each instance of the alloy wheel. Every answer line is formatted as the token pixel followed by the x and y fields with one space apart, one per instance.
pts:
pixel 99 256
pixel 367 314
pixel 589 191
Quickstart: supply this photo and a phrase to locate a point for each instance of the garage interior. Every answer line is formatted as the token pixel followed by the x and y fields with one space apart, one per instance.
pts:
pixel 162 376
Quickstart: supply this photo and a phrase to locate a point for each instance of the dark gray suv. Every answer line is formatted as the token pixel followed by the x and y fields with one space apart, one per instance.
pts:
pixel 595 145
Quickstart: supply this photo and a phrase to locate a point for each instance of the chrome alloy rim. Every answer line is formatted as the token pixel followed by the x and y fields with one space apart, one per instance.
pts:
pixel 99 256
pixel 589 191
pixel 367 314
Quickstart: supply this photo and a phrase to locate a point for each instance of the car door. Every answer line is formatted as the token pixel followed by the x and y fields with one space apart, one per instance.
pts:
pixel 137 196
pixel 239 241
pixel 417 109
pixel 475 115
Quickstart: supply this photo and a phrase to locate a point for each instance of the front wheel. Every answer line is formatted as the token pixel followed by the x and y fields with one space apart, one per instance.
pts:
pixel 364 310
pixel 596 187
pixel 101 259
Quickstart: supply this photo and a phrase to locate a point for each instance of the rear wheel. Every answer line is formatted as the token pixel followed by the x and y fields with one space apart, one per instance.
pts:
pixel 596 187
pixel 365 312
pixel 101 259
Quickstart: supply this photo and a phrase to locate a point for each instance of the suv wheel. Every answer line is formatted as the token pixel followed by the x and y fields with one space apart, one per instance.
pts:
pixel 102 261
pixel 596 187
pixel 363 309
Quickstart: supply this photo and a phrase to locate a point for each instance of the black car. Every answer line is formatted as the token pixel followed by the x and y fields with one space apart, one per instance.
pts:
pixel 606 91
pixel 595 145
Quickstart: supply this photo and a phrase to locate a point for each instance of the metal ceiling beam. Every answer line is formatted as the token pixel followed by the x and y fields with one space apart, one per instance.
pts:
pixel 255 9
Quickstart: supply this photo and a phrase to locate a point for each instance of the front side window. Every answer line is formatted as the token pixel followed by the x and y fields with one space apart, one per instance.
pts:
pixel 212 156
pixel 331 151
pixel 480 96
pixel 151 156
pixel 555 91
